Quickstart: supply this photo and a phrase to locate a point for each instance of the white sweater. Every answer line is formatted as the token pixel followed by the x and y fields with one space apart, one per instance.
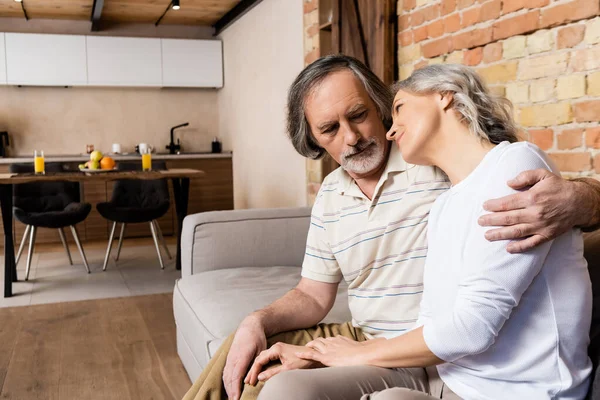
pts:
pixel 509 326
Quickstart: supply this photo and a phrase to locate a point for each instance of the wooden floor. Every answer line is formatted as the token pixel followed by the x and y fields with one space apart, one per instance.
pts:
pixel 121 348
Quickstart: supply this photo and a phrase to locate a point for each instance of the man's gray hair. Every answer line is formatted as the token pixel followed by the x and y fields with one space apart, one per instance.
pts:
pixel 487 115
pixel 297 126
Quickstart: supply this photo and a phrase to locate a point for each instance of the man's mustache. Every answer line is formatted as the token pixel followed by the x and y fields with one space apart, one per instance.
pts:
pixel 359 147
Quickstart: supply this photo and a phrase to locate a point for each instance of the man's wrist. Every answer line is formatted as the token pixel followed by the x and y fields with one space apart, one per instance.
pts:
pixel 588 190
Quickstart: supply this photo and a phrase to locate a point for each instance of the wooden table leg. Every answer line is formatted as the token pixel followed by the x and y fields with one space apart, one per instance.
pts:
pixel 181 191
pixel 10 268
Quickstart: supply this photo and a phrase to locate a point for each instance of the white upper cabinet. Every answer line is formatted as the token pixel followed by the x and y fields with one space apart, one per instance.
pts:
pixel 2 60
pixel 121 61
pixel 41 59
pixel 192 63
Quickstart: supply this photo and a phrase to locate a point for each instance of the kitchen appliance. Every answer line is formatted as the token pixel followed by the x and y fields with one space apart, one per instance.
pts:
pixel 216 145
pixel 116 148
pixel 4 143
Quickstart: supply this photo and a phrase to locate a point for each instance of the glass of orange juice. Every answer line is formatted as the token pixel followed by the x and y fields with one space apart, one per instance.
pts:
pixel 146 160
pixel 38 162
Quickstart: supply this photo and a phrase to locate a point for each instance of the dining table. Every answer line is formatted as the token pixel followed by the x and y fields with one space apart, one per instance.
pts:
pixel 181 188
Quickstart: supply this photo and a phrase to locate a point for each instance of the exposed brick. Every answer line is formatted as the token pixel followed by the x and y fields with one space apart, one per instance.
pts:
pixel 452 23
pixel 470 17
pixel 499 73
pixel 473 57
pixel 436 47
pixel 572 162
pixel 542 138
pixel 460 4
pixel 409 54
pixel 522 135
pixel 570 87
pixel 514 47
pixel 537 3
pixel 597 163
pixel 498 90
pixel 539 67
pixel 422 2
pixel 425 14
pixel 517 92
pixel 404 22
pixel 405 38
pixel 447 6
pixel 310 6
pixel 456 57
pixel 435 29
pixel 592 31
pixel 516 25
pixel 569 36
pixel 405 71
pixel 593 84
pixel 421 64
pixel 592 137
pixel 540 41
pixel 546 114
pixel 312 30
pixel 420 33
pixel 569 139
pixel 490 10
pixel 569 12
pixel 509 6
pixel 587 111
pixel 492 52
pixel 542 90
pixel 585 59
pixel 472 38
pixel 436 60
pixel 409 4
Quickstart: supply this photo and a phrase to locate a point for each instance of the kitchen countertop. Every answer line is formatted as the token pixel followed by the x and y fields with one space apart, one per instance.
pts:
pixel 118 157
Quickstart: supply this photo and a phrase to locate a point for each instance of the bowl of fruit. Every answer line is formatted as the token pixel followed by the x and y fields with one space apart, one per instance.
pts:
pixel 98 163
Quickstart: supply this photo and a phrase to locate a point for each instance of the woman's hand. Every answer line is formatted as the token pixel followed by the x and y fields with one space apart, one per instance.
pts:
pixel 336 352
pixel 286 354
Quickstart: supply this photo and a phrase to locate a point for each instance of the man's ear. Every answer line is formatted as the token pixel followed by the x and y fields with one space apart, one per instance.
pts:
pixel 446 100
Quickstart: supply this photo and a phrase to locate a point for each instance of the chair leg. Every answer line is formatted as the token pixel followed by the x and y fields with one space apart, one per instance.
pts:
pixel 110 240
pixel 30 253
pixel 162 239
pixel 22 245
pixel 120 241
pixel 162 266
pixel 61 233
pixel 80 247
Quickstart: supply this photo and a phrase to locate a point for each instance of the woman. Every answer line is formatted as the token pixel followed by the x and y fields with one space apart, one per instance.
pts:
pixel 497 325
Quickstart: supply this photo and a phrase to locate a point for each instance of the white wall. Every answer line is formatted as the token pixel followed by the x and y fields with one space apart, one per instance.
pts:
pixel 263 53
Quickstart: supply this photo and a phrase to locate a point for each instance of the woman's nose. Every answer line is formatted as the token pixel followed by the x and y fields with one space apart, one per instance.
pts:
pixel 391 134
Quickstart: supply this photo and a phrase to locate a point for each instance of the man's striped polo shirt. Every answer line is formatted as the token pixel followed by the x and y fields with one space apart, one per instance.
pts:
pixel 378 247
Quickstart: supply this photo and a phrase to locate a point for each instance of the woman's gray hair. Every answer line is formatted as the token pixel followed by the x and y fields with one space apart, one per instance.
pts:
pixel 297 125
pixel 487 115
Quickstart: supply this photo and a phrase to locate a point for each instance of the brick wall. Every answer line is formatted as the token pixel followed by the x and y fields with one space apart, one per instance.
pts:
pixel 542 55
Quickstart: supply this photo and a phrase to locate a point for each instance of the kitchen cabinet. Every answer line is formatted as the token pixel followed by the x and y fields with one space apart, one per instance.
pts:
pixel 2 60
pixel 192 63
pixel 46 60
pixel 122 61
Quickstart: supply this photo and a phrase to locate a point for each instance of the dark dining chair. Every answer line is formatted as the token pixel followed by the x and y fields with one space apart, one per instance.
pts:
pixel 52 205
pixel 137 201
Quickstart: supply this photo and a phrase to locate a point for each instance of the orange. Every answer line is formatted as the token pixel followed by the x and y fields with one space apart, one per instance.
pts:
pixel 107 163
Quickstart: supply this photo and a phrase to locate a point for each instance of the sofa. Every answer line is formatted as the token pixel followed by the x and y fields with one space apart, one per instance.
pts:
pixel 235 262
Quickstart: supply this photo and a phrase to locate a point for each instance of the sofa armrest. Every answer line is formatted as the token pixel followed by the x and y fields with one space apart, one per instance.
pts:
pixel 243 238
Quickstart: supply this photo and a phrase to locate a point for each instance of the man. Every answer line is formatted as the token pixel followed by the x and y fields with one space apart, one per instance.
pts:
pixel 368 227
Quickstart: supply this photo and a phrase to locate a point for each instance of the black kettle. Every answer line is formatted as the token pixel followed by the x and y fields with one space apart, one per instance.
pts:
pixel 4 143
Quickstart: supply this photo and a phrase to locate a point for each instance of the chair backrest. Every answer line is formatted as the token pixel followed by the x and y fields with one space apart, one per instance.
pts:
pixel 140 193
pixel 44 196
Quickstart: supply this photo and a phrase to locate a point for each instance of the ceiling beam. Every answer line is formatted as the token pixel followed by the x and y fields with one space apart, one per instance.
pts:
pixel 96 14
pixel 234 14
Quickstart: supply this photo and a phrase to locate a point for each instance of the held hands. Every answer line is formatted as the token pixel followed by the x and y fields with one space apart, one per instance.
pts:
pixel 335 352
pixel 550 207
pixel 286 354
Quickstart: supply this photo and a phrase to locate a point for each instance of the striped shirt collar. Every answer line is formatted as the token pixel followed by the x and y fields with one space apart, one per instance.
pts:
pixel 395 163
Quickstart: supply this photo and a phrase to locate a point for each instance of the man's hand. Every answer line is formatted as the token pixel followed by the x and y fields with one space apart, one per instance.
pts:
pixel 248 342
pixel 286 354
pixel 550 207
